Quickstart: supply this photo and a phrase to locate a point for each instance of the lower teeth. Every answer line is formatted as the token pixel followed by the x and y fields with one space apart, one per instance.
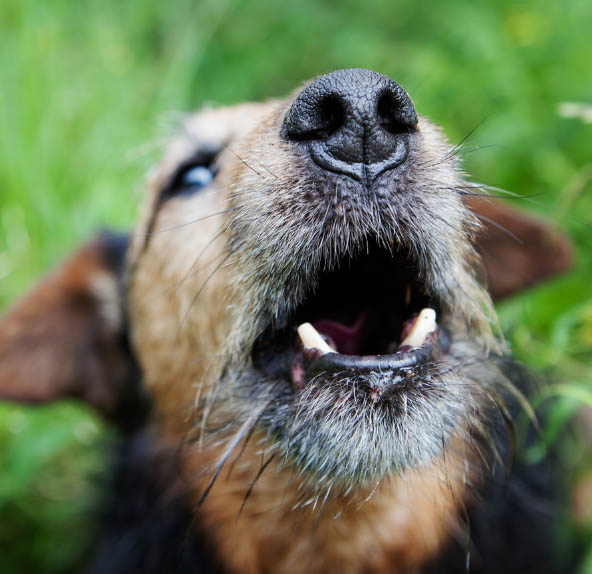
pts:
pixel 312 339
pixel 424 325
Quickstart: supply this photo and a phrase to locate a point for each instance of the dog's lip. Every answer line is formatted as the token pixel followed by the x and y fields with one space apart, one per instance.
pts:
pixel 313 364
pixel 330 362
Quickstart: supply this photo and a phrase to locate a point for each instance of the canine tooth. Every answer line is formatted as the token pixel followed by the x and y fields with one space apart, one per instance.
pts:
pixel 423 326
pixel 310 337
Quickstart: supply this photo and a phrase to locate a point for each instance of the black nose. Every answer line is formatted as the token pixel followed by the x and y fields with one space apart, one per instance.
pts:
pixel 355 122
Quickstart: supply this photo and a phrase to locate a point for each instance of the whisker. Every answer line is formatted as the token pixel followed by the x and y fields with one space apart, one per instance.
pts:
pixel 499 226
pixel 226 146
pixel 241 452
pixel 461 143
pixel 192 269
pixel 252 485
pixel 201 289
pixel 454 150
pixel 186 223
pixel 239 435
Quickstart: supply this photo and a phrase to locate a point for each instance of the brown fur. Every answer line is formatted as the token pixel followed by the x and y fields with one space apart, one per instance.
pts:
pixel 396 527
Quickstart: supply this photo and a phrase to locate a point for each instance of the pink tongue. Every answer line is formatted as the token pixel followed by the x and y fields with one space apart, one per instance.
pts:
pixel 347 339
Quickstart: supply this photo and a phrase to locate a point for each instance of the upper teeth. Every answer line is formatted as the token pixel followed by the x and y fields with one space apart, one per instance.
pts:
pixel 423 326
pixel 311 338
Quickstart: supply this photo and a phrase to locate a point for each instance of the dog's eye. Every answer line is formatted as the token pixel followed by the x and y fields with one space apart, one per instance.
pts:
pixel 190 178
pixel 196 177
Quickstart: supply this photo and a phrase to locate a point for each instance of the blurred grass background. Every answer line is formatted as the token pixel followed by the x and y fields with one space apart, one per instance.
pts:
pixel 84 89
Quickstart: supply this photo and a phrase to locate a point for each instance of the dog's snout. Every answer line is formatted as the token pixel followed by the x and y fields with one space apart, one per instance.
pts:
pixel 354 122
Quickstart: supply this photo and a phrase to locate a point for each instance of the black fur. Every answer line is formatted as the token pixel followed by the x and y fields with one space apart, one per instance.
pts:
pixel 512 525
pixel 148 526
pixel 133 405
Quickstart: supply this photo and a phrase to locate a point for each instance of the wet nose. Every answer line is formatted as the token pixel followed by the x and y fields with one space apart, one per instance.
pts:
pixel 354 122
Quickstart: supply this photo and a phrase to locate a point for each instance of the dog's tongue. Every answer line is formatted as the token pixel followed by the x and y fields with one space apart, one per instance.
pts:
pixel 347 339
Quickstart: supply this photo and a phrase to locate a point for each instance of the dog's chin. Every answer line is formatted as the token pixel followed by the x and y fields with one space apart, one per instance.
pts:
pixel 335 433
pixel 366 383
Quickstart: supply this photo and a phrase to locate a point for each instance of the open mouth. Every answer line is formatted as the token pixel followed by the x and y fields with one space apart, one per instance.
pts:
pixel 370 315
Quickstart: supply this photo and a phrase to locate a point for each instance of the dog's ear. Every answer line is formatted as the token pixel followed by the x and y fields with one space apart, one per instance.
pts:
pixel 518 250
pixel 67 337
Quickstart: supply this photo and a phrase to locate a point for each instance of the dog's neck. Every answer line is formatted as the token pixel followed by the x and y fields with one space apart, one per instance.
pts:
pixel 396 527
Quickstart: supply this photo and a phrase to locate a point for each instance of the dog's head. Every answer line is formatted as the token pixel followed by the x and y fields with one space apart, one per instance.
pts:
pixel 310 267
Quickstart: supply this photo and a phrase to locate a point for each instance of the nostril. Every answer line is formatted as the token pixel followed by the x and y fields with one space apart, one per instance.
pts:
pixel 317 121
pixel 331 115
pixel 393 115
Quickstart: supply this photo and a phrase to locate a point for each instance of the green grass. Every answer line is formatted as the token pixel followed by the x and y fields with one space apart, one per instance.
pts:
pixel 85 92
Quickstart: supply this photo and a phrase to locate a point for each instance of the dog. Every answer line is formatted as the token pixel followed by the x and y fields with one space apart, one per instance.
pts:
pixel 299 344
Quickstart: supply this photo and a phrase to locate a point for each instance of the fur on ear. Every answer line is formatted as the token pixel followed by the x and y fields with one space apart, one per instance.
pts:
pixel 67 337
pixel 518 250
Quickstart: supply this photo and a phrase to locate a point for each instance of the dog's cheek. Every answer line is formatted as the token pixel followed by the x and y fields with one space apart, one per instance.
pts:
pixel 176 303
